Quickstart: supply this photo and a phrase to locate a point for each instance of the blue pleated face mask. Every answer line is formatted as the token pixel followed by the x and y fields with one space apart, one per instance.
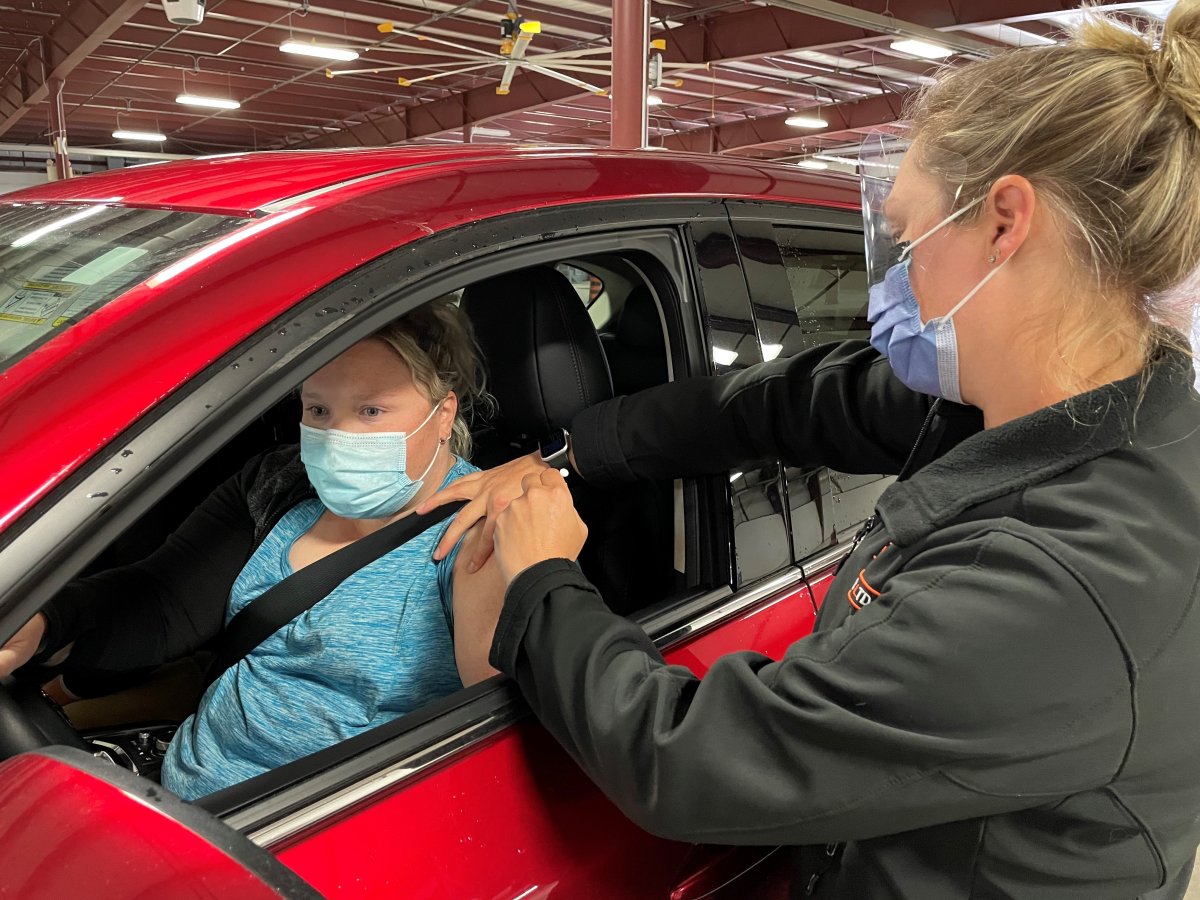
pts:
pixel 362 475
pixel 924 355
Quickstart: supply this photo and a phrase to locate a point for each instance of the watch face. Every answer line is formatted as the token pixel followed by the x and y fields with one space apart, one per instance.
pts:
pixel 554 445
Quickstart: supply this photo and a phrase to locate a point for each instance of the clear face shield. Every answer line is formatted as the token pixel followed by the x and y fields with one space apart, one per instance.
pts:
pixel 879 160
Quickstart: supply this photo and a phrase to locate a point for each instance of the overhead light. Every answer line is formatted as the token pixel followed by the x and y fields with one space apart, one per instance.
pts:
pixel 654 100
pixel 771 351
pixel 122 134
pixel 844 160
pixel 484 131
pixel 211 102
pixel 924 49
pixel 723 357
pixel 32 236
pixel 321 51
pixel 734 476
pixel 815 165
pixel 803 121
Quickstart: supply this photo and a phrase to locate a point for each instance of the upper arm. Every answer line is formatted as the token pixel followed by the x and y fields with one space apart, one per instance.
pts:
pixel 836 404
pixel 475 599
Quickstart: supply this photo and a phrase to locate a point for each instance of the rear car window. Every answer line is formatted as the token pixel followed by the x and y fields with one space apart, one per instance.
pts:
pixel 61 262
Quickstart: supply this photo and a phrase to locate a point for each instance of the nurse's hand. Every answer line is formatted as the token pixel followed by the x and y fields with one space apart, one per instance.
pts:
pixel 488 493
pixel 538 525
pixel 22 645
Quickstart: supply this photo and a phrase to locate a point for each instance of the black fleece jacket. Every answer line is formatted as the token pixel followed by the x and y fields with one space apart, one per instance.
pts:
pixel 137 617
pixel 1001 698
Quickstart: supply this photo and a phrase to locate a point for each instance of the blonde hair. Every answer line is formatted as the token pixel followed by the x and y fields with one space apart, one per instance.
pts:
pixel 1106 127
pixel 438 343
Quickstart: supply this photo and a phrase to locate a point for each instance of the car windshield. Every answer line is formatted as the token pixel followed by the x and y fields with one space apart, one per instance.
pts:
pixel 59 262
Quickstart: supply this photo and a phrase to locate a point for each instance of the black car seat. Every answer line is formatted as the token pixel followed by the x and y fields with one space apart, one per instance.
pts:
pixel 545 364
pixel 637 350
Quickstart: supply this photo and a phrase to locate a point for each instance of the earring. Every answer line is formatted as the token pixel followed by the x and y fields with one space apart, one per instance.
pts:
pixel 992 259
pixel 444 440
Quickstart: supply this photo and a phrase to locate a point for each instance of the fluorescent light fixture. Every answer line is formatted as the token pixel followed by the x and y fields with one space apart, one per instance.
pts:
pixel 734 476
pixel 814 164
pixel 210 102
pixel 26 239
pixel 771 351
pixel 124 134
pixel 805 121
pixel 320 51
pixel 829 157
pixel 723 357
pixel 484 131
pixel 924 49
pixel 654 100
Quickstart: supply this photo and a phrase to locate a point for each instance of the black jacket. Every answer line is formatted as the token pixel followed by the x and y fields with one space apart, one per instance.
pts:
pixel 1002 694
pixel 137 617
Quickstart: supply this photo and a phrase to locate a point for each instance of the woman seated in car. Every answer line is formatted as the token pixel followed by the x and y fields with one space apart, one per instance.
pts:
pixel 383 427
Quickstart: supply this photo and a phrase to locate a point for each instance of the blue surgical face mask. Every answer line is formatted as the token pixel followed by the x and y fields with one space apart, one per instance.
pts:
pixel 362 476
pixel 924 355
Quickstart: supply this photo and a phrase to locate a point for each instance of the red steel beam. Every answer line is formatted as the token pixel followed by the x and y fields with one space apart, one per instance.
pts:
pixel 72 38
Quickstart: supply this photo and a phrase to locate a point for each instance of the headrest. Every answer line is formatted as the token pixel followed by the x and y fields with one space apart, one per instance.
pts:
pixel 542 354
pixel 639 325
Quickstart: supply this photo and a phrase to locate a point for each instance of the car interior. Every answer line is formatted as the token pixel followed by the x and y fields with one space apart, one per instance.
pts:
pixel 555 339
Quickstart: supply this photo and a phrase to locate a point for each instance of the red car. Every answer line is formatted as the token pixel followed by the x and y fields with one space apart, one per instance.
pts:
pixel 154 323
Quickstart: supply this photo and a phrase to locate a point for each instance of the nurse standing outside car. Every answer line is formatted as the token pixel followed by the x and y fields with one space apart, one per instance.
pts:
pixel 1001 697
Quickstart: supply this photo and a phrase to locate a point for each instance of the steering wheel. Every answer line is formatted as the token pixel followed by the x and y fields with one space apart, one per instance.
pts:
pixel 30 720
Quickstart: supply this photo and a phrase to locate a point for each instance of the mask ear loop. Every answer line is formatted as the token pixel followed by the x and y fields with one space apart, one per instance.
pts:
pixel 938 227
pixel 941 320
pixel 441 440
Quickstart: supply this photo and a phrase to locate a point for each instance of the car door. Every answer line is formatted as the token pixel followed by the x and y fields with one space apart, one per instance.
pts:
pixel 469 797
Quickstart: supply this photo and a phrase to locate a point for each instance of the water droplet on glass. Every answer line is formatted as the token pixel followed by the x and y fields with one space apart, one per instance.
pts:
pixel 96 495
pixel 282 332
pixel 115 471
pixel 273 350
pixel 127 453
pixel 236 366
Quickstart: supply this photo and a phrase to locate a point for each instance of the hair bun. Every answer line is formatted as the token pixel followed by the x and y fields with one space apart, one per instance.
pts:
pixel 1169 52
pixel 1176 63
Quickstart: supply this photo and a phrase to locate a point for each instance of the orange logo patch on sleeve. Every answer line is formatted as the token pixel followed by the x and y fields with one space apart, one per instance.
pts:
pixel 861 593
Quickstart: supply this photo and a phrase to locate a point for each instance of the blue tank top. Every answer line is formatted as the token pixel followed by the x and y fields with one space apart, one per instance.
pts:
pixel 379 646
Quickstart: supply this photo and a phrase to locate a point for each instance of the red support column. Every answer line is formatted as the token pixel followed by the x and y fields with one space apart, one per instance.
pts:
pixel 58 131
pixel 631 40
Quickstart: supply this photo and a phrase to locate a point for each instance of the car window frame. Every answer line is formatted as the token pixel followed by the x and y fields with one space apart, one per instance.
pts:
pixel 65 530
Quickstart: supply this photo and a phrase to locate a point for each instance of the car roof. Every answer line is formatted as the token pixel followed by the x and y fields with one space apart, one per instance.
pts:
pixel 247 184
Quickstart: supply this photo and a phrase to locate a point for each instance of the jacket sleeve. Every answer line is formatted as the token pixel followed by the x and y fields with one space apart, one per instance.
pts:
pixel 837 404
pixel 165 606
pixel 982 680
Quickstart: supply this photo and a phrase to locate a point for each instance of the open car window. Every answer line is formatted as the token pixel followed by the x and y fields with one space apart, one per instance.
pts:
pixel 59 263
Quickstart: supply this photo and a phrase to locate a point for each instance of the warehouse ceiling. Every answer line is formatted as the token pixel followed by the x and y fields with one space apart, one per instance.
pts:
pixel 433 71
